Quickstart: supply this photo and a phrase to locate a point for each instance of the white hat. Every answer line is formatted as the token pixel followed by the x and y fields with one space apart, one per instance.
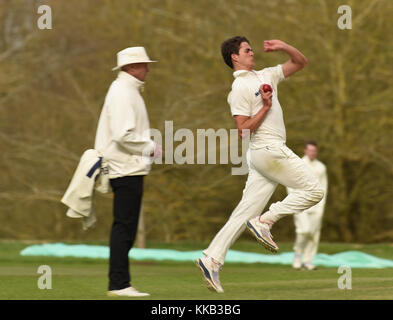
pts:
pixel 131 55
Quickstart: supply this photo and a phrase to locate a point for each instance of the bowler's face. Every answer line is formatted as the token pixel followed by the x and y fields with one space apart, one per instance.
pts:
pixel 245 58
pixel 311 151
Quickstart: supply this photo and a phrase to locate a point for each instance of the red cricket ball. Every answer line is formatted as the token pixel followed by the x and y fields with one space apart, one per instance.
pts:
pixel 267 88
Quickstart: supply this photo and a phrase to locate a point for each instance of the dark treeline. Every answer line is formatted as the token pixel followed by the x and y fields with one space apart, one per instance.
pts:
pixel 53 84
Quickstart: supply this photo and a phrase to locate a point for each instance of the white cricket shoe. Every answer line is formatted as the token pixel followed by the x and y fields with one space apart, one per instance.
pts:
pixel 308 266
pixel 210 270
pixel 127 292
pixel 297 262
pixel 262 232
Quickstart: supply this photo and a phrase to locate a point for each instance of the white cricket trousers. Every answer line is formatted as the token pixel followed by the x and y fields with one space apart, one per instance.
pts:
pixel 268 166
pixel 308 230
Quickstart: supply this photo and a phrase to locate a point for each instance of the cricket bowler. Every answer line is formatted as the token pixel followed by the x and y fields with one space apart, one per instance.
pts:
pixel 258 112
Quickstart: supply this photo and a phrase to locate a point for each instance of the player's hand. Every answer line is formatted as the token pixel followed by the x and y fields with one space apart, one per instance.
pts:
pixel 273 45
pixel 266 97
pixel 157 151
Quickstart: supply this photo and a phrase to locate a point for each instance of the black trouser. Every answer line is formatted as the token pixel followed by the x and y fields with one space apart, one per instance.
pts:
pixel 126 205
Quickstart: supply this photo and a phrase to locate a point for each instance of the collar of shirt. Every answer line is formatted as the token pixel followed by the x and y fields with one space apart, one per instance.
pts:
pixel 131 80
pixel 308 160
pixel 238 73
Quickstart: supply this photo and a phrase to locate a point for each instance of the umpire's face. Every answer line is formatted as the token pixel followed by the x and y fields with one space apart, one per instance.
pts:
pixel 139 70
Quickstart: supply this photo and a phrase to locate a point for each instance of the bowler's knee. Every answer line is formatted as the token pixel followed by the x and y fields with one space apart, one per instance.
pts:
pixel 316 195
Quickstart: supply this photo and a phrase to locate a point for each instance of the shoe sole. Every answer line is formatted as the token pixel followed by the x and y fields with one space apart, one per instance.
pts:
pixel 111 294
pixel 209 283
pixel 262 241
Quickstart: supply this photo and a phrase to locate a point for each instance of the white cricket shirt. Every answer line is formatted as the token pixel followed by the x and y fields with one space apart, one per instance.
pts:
pixel 320 170
pixel 245 100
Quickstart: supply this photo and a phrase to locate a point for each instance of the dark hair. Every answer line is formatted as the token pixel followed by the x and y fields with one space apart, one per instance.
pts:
pixel 230 46
pixel 312 142
pixel 126 67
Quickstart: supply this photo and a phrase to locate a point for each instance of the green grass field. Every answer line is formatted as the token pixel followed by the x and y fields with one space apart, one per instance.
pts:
pixel 86 279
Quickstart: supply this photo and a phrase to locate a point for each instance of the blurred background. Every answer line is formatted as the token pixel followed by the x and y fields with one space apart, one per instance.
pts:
pixel 53 84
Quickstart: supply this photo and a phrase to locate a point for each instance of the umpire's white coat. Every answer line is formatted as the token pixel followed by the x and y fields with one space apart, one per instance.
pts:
pixel 91 174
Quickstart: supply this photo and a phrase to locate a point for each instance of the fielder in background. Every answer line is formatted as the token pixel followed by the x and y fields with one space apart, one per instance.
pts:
pixel 309 222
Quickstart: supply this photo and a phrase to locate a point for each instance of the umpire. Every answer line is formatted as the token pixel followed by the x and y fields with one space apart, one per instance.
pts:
pixel 123 139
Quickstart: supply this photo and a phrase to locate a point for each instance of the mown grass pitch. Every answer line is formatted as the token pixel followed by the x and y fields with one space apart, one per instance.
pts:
pixel 86 279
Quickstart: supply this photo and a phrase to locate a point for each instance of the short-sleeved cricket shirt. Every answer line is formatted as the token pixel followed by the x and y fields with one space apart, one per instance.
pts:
pixel 245 99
